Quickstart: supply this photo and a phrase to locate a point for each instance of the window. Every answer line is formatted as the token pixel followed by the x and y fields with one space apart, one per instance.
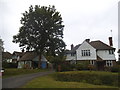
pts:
pixel 92 62
pixel 111 51
pixel 109 63
pixel 85 52
pixel 72 54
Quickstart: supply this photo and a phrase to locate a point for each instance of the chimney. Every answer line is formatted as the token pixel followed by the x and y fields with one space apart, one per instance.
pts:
pixel 72 46
pixel 110 41
pixel 87 40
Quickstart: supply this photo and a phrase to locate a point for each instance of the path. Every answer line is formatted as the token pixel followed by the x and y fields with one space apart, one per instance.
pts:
pixel 18 81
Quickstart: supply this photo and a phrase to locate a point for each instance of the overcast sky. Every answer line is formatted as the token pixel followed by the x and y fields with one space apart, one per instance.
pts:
pixel 83 19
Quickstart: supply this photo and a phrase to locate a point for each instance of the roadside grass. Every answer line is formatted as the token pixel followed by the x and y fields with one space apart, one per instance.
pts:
pixel 9 72
pixel 49 82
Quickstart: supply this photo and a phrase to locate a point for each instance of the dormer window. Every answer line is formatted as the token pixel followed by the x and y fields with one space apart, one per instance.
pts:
pixel 85 52
pixel 111 51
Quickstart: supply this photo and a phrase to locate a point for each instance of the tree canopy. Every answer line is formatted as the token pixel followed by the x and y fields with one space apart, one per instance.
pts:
pixel 41 30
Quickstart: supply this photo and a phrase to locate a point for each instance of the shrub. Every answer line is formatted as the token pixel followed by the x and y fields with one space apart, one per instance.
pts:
pixel 115 68
pixel 67 67
pixel 82 66
pixel 93 77
pixel 97 82
pixel 9 65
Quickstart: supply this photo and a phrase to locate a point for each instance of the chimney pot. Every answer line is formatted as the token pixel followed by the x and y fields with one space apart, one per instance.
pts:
pixel 87 40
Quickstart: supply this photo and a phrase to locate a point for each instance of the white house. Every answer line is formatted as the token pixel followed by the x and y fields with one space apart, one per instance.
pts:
pixel 1 49
pixel 95 52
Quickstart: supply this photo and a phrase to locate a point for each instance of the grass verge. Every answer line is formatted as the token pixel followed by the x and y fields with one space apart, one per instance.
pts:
pixel 15 72
pixel 49 82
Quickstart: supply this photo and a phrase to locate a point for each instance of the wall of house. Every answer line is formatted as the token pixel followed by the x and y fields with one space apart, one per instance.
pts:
pixel 86 46
pixel 20 64
pixel 119 56
pixel 104 54
pixel 69 57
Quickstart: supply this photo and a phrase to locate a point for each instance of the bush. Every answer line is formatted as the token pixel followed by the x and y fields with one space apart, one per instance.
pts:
pixel 93 77
pixel 66 67
pixel 82 66
pixel 9 65
pixel 115 68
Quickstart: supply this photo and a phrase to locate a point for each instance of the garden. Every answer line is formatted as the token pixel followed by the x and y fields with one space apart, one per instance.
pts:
pixel 76 79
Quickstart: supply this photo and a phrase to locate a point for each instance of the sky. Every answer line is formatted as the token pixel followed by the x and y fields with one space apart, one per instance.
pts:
pixel 83 19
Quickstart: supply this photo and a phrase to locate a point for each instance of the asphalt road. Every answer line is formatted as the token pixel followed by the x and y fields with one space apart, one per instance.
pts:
pixel 18 81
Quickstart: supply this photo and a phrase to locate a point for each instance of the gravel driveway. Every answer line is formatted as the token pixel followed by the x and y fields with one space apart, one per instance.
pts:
pixel 18 81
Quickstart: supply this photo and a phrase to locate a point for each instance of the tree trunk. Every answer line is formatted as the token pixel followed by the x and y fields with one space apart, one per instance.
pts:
pixel 39 62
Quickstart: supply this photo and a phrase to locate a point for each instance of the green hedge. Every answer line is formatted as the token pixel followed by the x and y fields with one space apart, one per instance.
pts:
pixel 9 65
pixel 93 77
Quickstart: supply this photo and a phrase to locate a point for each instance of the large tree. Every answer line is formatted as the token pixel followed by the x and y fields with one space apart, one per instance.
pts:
pixel 41 31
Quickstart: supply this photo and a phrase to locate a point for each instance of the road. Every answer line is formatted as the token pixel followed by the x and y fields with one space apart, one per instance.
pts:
pixel 18 81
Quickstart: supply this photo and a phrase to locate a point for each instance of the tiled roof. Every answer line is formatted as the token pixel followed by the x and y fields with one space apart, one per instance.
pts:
pixel 99 45
pixel 18 53
pixel 6 55
pixel 28 56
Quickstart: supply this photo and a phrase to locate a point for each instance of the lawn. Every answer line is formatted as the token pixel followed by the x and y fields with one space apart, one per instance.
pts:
pixel 15 72
pixel 49 82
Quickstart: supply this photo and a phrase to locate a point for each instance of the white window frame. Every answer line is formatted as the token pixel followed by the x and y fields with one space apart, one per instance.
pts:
pixel 85 53
pixel 111 51
pixel 73 62
pixel 109 63
pixel 92 62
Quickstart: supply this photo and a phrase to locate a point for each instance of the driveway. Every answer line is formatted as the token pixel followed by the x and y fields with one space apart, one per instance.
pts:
pixel 18 81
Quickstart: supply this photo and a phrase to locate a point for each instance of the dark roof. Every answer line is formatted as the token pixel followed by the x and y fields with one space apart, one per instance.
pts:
pixel 18 53
pixel 6 55
pixel 28 56
pixel 99 45
pixel 74 49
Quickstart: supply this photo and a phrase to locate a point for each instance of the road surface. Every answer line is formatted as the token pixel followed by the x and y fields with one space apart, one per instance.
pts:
pixel 18 81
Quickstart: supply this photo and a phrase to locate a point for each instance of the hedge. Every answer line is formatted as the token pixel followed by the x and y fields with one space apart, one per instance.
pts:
pixel 93 77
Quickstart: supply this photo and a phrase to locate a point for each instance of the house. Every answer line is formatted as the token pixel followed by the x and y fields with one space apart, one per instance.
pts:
pixel 96 53
pixel 30 60
pixel 119 55
pixel 1 48
pixel 16 56
pixel 7 57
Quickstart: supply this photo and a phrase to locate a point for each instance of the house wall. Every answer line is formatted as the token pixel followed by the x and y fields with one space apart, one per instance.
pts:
pixel 104 54
pixel 20 64
pixel 69 57
pixel 118 56
pixel 86 46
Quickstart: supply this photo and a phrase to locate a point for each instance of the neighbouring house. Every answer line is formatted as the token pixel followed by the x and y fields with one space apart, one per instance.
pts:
pixel 7 57
pixel 96 53
pixel 119 55
pixel 1 49
pixel 16 56
pixel 30 60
